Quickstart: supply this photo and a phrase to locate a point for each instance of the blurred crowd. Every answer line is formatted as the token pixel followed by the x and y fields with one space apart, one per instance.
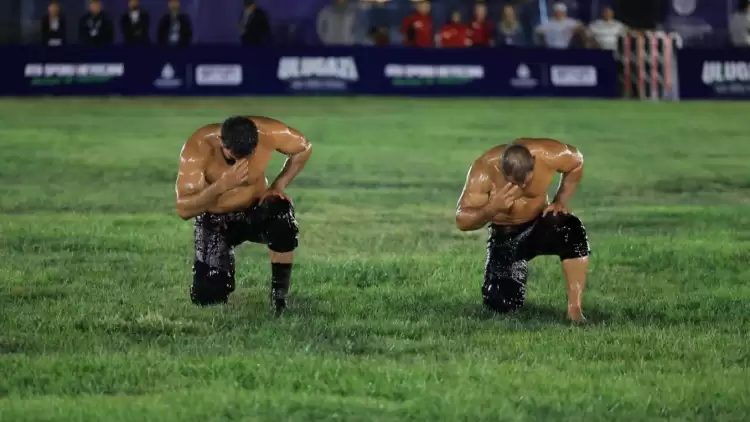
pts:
pixel 97 28
pixel 481 30
pixel 340 23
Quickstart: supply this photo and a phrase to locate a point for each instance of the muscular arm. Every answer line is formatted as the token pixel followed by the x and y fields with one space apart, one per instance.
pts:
pixel 234 199
pixel 194 195
pixel 470 212
pixel 298 150
pixel 565 159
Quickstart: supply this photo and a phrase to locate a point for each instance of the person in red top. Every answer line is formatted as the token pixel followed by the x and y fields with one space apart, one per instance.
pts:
pixel 454 34
pixel 417 27
pixel 481 27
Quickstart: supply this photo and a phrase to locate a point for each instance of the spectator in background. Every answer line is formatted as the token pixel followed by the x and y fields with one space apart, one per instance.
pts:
pixel 336 23
pixel 135 24
pixel 454 34
pixel 378 36
pixel 175 28
pixel 256 30
pixel 417 27
pixel 481 27
pixel 95 28
pixel 607 31
pixel 509 31
pixel 739 25
pixel 53 26
pixel 557 32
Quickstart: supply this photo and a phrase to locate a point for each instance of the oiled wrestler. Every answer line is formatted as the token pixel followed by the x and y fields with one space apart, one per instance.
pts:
pixel 507 188
pixel 222 184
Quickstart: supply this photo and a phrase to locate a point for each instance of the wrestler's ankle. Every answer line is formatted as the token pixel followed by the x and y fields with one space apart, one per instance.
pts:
pixel 575 313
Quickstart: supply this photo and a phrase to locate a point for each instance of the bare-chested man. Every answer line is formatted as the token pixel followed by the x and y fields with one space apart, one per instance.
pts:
pixel 507 187
pixel 222 184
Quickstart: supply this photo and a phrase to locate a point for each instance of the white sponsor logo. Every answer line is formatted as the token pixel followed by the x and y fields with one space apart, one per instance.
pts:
pixel 167 79
pixel 98 70
pixel 723 72
pixel 218 75
pixel 433 71
pixel 573 76
pixel 524 78
pixel 343 68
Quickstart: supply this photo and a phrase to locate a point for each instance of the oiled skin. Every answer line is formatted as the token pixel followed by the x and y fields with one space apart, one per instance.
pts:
pixel 203 163
pixel 485 180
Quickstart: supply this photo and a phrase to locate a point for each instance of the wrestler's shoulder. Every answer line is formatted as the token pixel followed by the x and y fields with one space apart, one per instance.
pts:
pixel 540 143
pixel 199 141
pixel 266 122
pixel 492 155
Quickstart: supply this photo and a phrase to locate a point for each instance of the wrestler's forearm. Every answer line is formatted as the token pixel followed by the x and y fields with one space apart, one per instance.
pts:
pixel 199 203
pixel 468 219
pixel 292 166
pixel 568 185
pixel 234 200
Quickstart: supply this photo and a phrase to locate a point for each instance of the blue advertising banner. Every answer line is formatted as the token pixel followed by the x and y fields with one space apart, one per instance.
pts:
pixel 715 74
pixel 234 70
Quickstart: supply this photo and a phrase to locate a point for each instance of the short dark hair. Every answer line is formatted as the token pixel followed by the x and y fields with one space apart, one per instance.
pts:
pixel 516 163
pixel 240 136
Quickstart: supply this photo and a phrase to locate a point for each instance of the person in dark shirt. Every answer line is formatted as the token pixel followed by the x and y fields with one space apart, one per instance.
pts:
pixel 254 25
pixel 95 28
pixel 53 26
pixel 509 30
pixel 135 24
pixel 175 28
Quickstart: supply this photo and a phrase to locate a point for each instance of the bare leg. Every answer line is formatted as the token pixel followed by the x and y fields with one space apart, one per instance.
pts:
pixel 281 258
pixel 575 277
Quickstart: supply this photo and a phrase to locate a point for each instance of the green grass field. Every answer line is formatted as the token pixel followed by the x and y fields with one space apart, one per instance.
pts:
pixel 387 322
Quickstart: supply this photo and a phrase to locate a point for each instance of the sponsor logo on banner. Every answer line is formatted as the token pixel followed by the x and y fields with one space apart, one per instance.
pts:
pixel 218 75
pixel 684 7
pixel 573 76
pixel 41 74
pixel 524 78
pixel 168 79
pixel 418 74
pixel 727 77
pixel 318 73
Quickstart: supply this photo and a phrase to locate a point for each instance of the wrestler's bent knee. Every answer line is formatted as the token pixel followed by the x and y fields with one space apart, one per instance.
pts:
pixel 574 239
pixel 282 231
pixel 504 294
pixel 211 286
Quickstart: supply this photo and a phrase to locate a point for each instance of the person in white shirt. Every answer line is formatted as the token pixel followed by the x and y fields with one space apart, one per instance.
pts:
pixel 607 30
pixel 739 25
pixel 558 32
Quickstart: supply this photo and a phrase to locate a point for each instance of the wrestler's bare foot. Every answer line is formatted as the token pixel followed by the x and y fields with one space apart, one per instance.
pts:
pixel 576 314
